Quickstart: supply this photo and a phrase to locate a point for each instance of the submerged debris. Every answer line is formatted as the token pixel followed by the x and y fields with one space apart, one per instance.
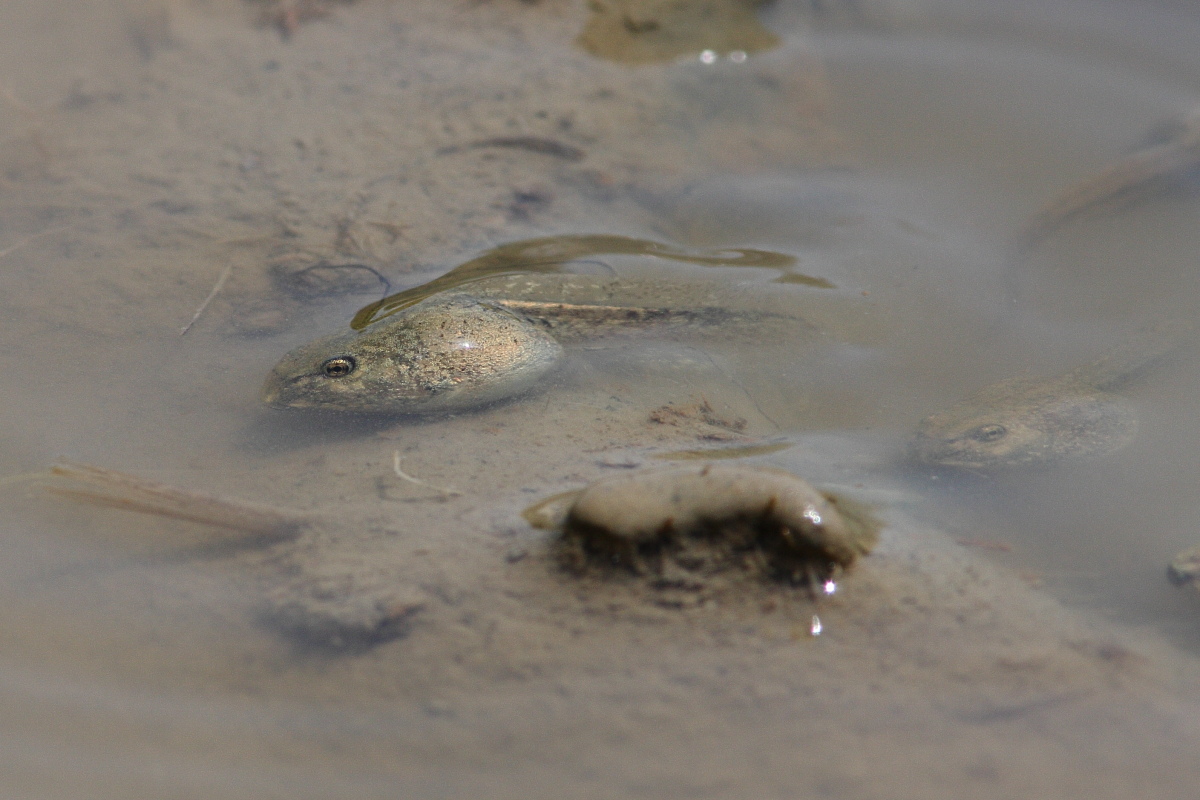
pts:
pixel 338 617
pixel 696 522
pixel 704 420
pixel 107 487
pixel 215 291
pixel 1185 567
pixel 534 144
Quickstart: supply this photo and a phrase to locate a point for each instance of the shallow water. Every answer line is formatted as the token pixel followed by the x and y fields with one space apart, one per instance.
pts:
pixel 894 150
pixel 1020 120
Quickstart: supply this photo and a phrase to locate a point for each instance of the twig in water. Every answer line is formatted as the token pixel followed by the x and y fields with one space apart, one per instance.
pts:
pixel 114 489
pixel 220 282
pixel 405 476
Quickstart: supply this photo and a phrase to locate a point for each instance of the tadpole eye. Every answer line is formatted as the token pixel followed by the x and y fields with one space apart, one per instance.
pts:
pixel 339 366
pixel 988 433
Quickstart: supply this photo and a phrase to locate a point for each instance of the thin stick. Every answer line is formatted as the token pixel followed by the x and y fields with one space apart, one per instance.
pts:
pixel 114 489
pixel 220 282
pixel 405 476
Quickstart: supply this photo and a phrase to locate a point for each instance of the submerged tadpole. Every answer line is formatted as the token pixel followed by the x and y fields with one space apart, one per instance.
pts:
pixel 1023 422
pixel 1172 155
pixel 493 328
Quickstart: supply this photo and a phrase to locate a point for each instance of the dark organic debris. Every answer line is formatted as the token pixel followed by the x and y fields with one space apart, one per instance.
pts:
pixel 527 201
pixel 533 144
pixel 339 626
pixel 697 412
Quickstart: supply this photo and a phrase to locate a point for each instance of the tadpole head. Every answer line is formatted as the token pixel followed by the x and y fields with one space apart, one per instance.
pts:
pixel 973 442
pixel 447 353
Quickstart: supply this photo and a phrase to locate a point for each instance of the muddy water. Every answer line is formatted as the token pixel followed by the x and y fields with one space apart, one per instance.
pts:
pixel 893 150
pixel 1021 120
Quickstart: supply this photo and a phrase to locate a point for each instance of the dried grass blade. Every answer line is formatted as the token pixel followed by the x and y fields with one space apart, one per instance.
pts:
pixel 114 489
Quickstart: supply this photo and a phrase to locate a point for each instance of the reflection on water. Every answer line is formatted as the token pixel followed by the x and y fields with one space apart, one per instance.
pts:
pixel 649 31
pixel 181 145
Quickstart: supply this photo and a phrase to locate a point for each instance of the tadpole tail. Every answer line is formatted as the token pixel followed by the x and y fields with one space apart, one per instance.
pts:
pixel 1130 176
pixel 1142 350
pixel 1173 154
pixel 584 321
